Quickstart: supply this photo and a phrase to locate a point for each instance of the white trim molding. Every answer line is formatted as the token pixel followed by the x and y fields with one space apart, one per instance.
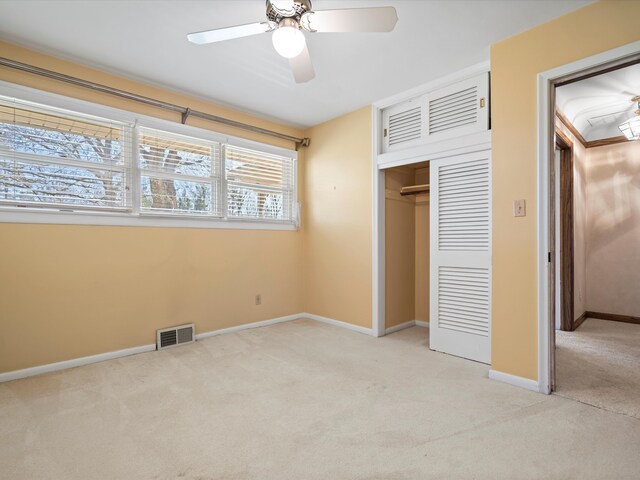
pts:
pixel 247 326
pixel 401 326
pixel 409 324
pixel 75 362
pixel 545 131
pixel 514 380
pixel 337 323
pixel 377 233
pixel 57 217
pixel 101 357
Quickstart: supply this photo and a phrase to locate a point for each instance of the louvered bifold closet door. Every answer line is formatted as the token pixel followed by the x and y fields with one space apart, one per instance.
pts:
pixel 459 109
pixel 460 213
pixel 403 125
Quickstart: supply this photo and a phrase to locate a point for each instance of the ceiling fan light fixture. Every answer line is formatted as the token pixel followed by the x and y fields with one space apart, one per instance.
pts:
pixel 287 39
pixel 631 128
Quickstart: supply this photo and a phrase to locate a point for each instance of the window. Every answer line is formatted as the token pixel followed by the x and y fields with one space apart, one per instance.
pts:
pixel 57 160
pixel 52 159
pixel 179 175
pixel 259 185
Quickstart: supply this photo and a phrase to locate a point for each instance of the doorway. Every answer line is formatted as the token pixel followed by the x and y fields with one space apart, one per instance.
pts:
pixel 407 246
pixel 565 228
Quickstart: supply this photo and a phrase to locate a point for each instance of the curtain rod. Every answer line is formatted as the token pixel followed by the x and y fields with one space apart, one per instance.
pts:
pixel 185 112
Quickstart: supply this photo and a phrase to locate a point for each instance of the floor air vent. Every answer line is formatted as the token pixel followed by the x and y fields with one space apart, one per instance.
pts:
pixel 174 336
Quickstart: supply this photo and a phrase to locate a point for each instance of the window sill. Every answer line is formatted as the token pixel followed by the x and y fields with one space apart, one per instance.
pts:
pixel 37 216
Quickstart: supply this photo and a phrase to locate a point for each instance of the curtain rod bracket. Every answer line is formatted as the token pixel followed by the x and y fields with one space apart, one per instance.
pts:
pixel 185 115
pixel 305 142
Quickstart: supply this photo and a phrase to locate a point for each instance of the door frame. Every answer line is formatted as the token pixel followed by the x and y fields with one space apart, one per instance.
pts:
pixel 546 82
pixel 567 216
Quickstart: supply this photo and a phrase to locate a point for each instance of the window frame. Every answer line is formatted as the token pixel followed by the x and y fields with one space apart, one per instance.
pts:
pixel 136 217
pixel 225 190
pixel 39 158
pixel 211 179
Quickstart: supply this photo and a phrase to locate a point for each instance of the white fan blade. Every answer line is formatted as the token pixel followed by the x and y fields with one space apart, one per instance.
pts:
pixel 302 67
pixel 229 33
pixel 374 19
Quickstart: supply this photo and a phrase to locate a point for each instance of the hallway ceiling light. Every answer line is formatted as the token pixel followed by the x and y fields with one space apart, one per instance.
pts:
pixel 631 128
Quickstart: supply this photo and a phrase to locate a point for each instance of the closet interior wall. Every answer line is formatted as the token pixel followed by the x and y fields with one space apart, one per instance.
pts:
pixel 407 246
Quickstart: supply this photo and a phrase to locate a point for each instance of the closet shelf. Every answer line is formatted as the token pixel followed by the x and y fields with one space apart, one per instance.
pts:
pixel 414 189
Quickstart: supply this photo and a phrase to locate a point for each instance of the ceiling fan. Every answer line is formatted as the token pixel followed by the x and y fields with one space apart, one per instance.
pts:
pixel 288 19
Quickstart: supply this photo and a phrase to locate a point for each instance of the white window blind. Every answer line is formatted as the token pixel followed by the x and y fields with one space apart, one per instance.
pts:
pixel 54 158
pixel 178 174
pixel 63 163
pixel 259 185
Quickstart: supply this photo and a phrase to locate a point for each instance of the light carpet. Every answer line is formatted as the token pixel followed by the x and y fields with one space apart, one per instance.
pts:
pixel 599 364
pixel 302 400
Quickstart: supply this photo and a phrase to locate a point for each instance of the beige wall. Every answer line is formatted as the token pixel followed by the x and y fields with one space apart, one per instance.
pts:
pixel 338 219
pixel 579 223
pixel 72 291
pixel 422 273
pixel 613 229
pixel 515 64
pixel 400 244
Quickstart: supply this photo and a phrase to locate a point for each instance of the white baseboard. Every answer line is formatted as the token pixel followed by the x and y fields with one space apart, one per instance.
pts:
pixel 421 323
pixel 75 362
pixel 401 326
pixel 337 323
pixel 514 380
pixel 247 326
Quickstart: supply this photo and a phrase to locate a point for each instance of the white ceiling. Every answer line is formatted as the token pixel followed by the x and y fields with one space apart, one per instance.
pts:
pixel 597 105
pixel 146 40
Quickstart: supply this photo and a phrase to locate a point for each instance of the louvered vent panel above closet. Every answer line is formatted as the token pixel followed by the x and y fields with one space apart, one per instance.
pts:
pixel 464 206
pixel 450 112
pixel 405 126
pixel 453 111
pixel 463 299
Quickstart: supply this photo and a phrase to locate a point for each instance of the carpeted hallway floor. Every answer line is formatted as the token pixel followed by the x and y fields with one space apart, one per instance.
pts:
pixel 599 364
pixel 302 400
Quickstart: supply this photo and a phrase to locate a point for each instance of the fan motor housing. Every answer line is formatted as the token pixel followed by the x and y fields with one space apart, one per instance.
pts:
pixel 278 10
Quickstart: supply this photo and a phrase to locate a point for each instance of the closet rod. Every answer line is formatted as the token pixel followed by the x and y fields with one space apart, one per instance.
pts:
pixel 185 112
pixel 414 189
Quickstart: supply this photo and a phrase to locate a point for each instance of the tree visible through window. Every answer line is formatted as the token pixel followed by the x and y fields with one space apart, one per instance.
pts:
pixel 52 159
pixel 59 159
pixel 259 185
pixel 179 174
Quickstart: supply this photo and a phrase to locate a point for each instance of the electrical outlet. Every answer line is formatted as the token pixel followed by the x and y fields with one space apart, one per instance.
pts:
pixel 258 299
pixel 519 208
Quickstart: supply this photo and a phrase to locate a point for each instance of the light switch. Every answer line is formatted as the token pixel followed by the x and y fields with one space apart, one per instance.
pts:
pixel 519 208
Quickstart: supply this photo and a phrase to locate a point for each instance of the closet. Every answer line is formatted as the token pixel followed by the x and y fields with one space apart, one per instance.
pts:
pixel 432 214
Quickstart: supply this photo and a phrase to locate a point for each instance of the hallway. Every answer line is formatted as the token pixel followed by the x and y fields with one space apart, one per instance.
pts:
pixel 597 364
